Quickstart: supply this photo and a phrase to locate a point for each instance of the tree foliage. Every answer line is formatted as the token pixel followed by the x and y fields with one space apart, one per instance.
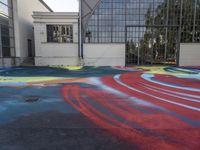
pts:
pixel 162 26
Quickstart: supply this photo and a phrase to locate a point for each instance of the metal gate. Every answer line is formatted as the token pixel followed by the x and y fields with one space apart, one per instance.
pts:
pixel 152 45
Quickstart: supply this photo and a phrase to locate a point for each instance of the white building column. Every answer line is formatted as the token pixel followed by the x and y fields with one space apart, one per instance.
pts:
pixel 16 28
pixel 0 44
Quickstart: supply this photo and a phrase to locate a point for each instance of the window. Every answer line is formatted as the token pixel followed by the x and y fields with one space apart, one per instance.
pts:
pixel 59 33
pixel 6 28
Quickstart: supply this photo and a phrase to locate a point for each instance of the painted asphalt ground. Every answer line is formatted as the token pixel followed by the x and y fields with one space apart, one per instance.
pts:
pixel 99 108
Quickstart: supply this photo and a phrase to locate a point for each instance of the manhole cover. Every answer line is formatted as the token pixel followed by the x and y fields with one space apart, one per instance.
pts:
pixel 31 99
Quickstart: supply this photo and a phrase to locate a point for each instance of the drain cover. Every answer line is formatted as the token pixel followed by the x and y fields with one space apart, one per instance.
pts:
pixel 31 99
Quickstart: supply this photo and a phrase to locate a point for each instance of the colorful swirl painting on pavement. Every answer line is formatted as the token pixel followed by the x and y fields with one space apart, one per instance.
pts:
pixel 153 107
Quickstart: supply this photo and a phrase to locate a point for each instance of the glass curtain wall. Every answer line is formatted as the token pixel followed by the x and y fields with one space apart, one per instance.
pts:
pixel 197 22
pixel 6 28
pixel 108 21
pixel 152 29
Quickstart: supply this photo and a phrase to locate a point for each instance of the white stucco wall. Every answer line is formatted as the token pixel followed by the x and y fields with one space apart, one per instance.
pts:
pixel 104 54
pixel 23 24
pixel 53 54
pixel 189 54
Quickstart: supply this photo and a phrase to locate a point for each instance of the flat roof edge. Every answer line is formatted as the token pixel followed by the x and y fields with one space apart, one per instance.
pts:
pixel 39 13
pixel 55 15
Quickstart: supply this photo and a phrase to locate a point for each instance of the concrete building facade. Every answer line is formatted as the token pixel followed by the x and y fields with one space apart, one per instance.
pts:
pixel 56 38
pixel 16 30
pixel 103 33
pixel 151 32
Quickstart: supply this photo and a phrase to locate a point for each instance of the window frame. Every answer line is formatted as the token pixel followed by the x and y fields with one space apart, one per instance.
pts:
pixel 61 37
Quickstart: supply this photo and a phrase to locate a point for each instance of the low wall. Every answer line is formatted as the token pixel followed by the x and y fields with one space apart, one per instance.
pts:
pixel 56 61
pixel 189 54
pixel 104 54
pixel 53 54
pixel 12 62
pixel 6 62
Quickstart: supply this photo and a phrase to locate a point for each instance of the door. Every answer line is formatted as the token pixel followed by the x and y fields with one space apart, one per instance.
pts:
pixel 30 48
pixel 147 45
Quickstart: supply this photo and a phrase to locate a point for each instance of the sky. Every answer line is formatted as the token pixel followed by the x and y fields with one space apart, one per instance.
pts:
pixel 63 5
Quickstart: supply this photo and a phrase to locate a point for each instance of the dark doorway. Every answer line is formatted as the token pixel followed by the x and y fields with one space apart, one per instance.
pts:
pixel 30 48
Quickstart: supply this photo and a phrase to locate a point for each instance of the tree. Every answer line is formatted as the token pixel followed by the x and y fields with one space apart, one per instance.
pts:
pixel 163 37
